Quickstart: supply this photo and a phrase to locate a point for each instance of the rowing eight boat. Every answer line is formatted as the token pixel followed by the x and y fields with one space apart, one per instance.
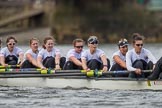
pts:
pixel 74 79
pixel 77 82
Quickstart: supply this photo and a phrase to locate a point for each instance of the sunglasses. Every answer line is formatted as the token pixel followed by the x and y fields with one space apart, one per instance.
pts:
pixel 139 45
pixel 11 44
pixel 79 46
pixel 94 42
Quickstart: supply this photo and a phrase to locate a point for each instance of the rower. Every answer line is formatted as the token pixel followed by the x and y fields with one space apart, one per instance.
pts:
pixel 11 54
pixel 31 54
pixel 119 57
pixel 139 58
pixel 74 55
pixel 49 56
pixel 94 58
pixel 157 71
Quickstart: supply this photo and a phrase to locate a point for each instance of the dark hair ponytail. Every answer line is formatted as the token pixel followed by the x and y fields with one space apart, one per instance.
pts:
pixel 136 37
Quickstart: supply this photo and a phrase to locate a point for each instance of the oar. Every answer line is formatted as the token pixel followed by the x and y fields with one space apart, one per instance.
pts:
pixel 39 71
pixel 99 73
pixel 20 70
pixel 126 71
pixel 10 66
pixel 39 74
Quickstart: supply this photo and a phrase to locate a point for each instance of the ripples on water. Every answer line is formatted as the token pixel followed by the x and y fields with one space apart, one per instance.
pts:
pixel 25 97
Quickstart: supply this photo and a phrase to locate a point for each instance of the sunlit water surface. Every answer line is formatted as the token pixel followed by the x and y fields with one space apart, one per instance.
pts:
pixel 31 97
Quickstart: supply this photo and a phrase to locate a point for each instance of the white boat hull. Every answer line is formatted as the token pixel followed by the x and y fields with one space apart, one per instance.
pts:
pixel 76 83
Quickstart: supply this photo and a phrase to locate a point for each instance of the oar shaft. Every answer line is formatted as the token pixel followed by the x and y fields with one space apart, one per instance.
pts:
pixel 125 71
pixel 10 66
pixel 15 72
pixel 30 70
pixel 64 72
pixel 39 75
pixel 21 70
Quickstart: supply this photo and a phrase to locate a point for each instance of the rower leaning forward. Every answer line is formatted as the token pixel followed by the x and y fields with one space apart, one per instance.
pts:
pixel 73 57
pixel 94 58
pixel 30 59
pixel 11 54
pixel 139 58
pixel 49 56
pixel 119 58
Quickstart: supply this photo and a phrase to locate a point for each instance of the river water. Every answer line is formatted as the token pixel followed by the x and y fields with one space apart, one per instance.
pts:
pixel 25 97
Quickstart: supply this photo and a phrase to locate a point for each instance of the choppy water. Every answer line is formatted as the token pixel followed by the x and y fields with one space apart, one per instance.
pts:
pixel 25 97
pixel 19 97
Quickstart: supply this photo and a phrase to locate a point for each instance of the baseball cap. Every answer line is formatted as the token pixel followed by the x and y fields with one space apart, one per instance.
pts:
pixel 123 42
pixel 93 40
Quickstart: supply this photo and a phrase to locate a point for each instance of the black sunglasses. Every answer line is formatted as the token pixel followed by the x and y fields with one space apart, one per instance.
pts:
pixel 139 45
pixel 11 44
pixel 79 46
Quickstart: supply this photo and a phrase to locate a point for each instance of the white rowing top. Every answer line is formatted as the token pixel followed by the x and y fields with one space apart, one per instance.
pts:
pixel 44 53
pixel 132 56
pixel 29 51
pixel 73 53
pixel 121 56
pixel 16 51
pixel 96 55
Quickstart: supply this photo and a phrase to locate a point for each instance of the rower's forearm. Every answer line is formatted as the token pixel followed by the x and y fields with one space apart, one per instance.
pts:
pixel 78 63
pixel 21 58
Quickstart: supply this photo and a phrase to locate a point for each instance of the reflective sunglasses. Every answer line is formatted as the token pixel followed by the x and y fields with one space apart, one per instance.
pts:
pixel 79 46
pixel 139 45
pixel 94 42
